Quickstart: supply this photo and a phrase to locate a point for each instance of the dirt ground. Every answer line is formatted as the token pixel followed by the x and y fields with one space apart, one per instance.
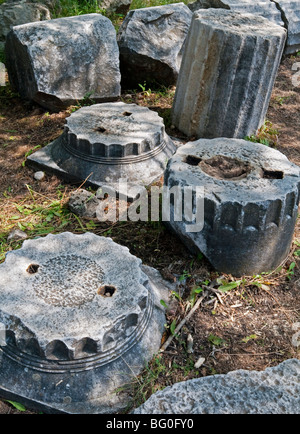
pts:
pixel 250 326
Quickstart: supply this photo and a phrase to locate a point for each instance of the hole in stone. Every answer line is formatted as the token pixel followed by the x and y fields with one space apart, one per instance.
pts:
pixel 33 268
pixel 126 114
pixel 192 160
pixel 221 167
pixel 100 130
pixel 273 174
pixel 107 290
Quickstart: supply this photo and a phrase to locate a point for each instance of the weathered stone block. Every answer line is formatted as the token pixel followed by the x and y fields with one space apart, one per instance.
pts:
pixel 283 12
pixel 251 198
pixel 227 74
pixel 273 391
pixel 80 316
pixel 17 13
pixel 265 8
pixel 151 44
pixel 107 142
pixel 58 62
pixel 290 11
pixel 116 6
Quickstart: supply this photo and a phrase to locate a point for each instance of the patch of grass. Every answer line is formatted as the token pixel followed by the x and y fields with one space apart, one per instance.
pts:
pixel 140 4
pixel 266 135
pixel 69 8
pixel 38 215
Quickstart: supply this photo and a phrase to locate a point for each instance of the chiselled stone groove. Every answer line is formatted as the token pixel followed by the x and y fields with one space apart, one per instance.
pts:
pixel 227 74
pixel 63 315
pixel 249 221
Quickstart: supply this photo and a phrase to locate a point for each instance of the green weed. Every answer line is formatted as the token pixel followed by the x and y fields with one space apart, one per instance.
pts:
pixel 266 135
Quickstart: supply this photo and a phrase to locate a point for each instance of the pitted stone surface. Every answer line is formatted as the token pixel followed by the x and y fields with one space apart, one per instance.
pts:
pixel 58 62
pixel 114 130
pixel 105 143
pixel 265 8
pixel 273 391
pixel 67 280
pixel 52 304
pixel 151 42
pixel 17 13
pixel 249 220
pixel 290 11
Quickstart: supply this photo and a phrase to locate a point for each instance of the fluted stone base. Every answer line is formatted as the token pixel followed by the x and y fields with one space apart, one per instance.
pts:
pixel 286 13
pixel 81 316
pixel 251 198
pixel 106 143
pixel 227 74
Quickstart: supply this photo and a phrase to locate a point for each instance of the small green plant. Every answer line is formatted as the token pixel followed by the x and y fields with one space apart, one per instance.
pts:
pixel 266 135
pixel 249 338
pixel 28 153
pixel 290 271
pixel 297 251
pixel 146 92
pixel 84 102
pixel 196 290
pixel 216 341
pixel 19 407
pixel 173 327
pixel 185 275
pixel 148 382
pixel 226 286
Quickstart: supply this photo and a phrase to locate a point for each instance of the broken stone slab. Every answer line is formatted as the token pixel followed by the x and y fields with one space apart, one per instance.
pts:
pixel 17 13
pixel 84 51
pixel 272 391
pixel 227 74
pixel 290 11
pixel 265 8
pixel 283 12
pixel 250 203
pixel 17 235
pixel 116 6
pixel 151 44
pixel 83 203
pixel 90 205
pixel 106 143
pixel 81 317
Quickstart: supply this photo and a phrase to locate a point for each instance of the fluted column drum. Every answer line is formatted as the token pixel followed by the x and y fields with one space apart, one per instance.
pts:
pixel 227 74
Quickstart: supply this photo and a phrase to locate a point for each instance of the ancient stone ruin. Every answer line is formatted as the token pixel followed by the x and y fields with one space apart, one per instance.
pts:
pixel 251 198
pixel 286 13
pixel 107 142
pixel 17 13
pixel 151 43
pixel 36 61
pixel 81 314
pixel 81 317
pixel 273 391
pixel 227 74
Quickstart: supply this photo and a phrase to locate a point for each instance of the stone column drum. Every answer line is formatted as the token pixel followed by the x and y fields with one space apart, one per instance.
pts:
pixel 227 74
pixel 79 317
pixel 106 143
pixel 251 197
